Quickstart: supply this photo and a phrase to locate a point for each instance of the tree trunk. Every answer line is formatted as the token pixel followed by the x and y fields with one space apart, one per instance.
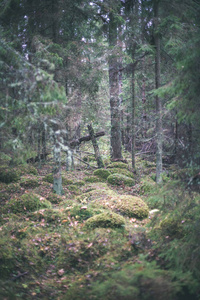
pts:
pixel 57 178
pixel 133 117
pixel 96 148
pixel 159 135
pixel 116 148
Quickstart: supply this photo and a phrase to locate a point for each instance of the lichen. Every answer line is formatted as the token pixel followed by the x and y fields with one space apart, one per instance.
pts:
pixel 107 219
pixel 118 179
pixel 102 173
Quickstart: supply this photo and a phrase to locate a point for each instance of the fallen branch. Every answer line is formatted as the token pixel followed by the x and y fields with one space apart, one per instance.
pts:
pixel 86 138
pixel 85 162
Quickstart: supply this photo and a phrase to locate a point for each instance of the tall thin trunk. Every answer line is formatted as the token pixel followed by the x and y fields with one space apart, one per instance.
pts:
pixel 159 134
pixel 96 147
pixel 116 148
pixel 57 178
pixel 133 116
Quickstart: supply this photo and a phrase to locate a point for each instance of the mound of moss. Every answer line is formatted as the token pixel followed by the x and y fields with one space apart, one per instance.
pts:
pixel 102 173
pixel 118 164
pixel 54 198
pixel 91 179
pixel 131 206
pixel 26 203
pixel 96 195
pixel 146 185
pixel 105 220
pixel 84 212
pixel 27 169
pixel 8 175
pixel 118 179
pixel 122 172
pixel 27 182
pixel 171 227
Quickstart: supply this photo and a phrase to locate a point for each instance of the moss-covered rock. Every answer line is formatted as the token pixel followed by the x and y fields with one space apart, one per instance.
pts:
pixel 26 203
pixel 131 206
pixel 28 182
pixel 118 164
pixel 102 173
pixel 79 183
pixel 105 220
pixel 122 172
pixel 96 195
pixel 118 179
pixel 8 175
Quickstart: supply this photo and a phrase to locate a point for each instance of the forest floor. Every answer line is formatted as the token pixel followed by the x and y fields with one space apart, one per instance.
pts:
pixel 99 240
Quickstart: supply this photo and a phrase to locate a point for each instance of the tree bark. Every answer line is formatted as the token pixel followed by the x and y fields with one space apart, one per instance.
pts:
pixel 159 134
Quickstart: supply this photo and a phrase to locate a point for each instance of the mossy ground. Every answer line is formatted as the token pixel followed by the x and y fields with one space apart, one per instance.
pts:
pixel 96 241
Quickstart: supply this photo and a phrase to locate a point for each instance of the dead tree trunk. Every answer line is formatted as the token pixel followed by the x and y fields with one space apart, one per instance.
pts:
pixel 96 148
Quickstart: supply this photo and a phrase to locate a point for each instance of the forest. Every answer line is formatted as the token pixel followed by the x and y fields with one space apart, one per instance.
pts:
pixel 100 149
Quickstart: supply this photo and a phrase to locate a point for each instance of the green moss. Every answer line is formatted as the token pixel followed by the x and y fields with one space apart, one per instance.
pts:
pixel 83 212
pixel 27 182
pixel 118 164
pixel 102 173
pixel 105 220
pixel 13 188
pixel 8 175
pixel 96 195
pixel 79 183
pixel 122 172
pixel 27 169
pixel 7 259
pixel 131 206
pixel 49 178
pixel 54 198
pixel 147 185
pixel 91 179
pixel 67 181
pixel 26 203
pixel 171 227
pixel 118 179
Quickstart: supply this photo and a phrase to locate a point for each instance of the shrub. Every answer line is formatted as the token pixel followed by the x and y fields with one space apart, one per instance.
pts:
pixel 102 173
pixel 118 179
pixel 8 175
pixel 105 220
pixel 26 203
